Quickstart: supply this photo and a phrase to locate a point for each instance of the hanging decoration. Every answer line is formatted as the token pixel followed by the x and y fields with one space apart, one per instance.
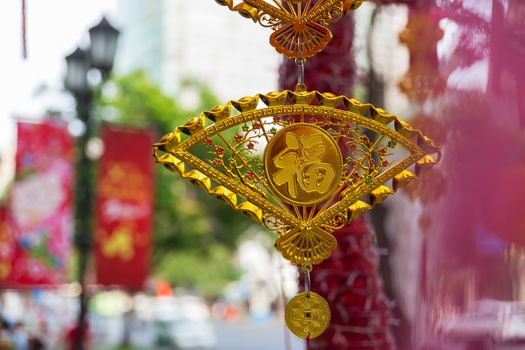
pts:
pixel 422 81
pixel 301 163
pixel 300 26
pixel 350 280
pixel 423 84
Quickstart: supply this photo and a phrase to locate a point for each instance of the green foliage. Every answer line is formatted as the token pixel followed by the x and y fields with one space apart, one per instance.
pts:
pixel 194 236
pixel 140 102
pixel 205 273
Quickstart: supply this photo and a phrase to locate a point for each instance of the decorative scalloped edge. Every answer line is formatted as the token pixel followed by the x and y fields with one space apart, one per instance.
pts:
pixel 256 10
pixel 195 125
pixel 250 11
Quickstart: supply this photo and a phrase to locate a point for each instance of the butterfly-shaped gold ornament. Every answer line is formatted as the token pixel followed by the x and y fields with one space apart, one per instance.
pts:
pixel 303 164
pixel 300 26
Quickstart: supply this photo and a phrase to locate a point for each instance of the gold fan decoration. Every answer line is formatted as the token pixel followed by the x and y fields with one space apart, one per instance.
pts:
pixel 300 26
pixel 303 164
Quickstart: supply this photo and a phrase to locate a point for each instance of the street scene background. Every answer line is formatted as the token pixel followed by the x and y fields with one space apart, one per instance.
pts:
pixel 91 229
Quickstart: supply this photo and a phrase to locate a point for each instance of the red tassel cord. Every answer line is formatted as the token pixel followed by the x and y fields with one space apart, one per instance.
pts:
pixel 308 343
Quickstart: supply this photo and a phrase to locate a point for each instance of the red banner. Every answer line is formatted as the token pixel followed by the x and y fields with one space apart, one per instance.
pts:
pixel 6 247
pixel 40 211
pixel 124 208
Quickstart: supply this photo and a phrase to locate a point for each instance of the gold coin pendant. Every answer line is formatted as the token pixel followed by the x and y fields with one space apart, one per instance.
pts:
pixel 307 315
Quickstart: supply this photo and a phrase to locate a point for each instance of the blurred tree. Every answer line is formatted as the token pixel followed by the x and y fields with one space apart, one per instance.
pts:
pixel 194 237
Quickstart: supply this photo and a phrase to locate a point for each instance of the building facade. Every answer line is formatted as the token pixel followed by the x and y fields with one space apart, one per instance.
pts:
pixel 175 40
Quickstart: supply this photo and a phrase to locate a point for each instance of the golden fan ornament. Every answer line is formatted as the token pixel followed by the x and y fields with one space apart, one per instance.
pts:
pixel 301 163
pixel 300 26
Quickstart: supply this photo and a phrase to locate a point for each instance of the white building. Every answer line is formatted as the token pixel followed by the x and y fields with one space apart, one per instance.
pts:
pixel 173 40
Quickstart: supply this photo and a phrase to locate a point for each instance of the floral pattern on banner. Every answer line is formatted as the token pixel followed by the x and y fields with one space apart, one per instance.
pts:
pixel 6 246
pixel 40 205
pixel 124 208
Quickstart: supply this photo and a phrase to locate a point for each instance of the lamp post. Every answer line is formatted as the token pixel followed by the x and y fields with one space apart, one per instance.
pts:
pixel 100 56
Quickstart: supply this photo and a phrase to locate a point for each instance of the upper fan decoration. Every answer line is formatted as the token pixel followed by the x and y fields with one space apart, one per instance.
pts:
pixel 300 26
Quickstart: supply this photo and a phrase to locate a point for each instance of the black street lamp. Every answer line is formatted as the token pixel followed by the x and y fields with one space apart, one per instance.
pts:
pixel 99 56
pixel 77 69
pixel 104 39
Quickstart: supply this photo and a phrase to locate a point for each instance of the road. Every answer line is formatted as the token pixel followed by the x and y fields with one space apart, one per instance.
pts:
pixel 457 346
pixel 270 336
pixel 244 335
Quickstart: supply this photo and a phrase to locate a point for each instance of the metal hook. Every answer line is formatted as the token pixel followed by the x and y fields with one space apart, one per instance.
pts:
pixel 307 268
pixel 301 86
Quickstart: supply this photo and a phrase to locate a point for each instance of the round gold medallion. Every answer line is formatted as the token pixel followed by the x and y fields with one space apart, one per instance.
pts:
pixel 307 315
pixel 303 164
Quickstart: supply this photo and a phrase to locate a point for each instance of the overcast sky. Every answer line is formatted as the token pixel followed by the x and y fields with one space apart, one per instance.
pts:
pixel 55 27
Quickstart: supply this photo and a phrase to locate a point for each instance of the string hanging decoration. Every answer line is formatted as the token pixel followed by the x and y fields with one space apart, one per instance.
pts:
pixel 303 164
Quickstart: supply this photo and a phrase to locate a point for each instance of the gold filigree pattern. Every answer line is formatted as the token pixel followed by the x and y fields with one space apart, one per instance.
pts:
pixel 222 151
pixel 303 164
pixel 300 26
